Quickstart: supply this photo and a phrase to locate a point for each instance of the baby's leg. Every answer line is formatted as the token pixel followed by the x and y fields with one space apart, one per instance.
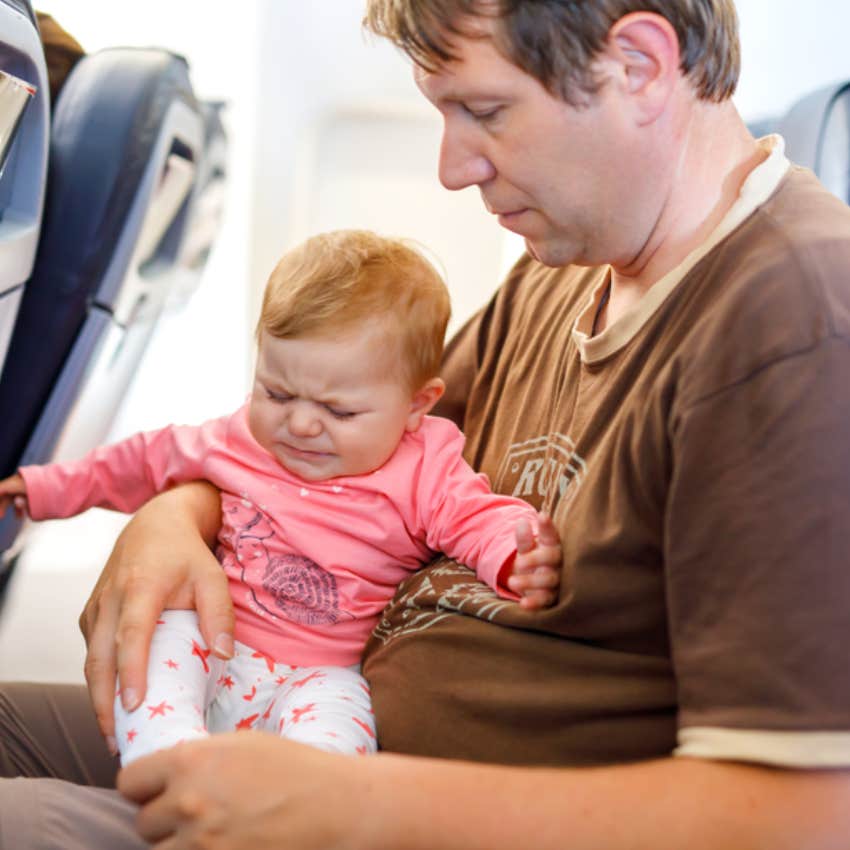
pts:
pixel 179 671
pixel 242 694
pixel 326 707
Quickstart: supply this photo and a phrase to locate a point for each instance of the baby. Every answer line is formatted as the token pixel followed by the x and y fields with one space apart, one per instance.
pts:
pixel 335 484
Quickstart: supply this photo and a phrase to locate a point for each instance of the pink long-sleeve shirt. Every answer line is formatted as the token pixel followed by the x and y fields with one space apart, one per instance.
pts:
pixel 311 564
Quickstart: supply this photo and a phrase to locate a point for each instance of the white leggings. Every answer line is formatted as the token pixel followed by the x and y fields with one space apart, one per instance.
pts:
pixel 191 694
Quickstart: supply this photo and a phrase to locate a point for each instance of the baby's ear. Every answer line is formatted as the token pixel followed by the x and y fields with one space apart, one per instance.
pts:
pixel 423 400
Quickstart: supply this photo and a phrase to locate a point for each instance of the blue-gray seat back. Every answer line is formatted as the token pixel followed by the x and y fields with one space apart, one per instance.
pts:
pixel 126 138
pixel 817 135
pixel 24 171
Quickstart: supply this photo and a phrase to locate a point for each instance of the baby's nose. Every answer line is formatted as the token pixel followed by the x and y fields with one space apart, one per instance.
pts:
pixel 303 421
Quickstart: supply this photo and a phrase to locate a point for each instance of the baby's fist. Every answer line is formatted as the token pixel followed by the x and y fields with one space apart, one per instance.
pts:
pixel 13 491
pixel 536 573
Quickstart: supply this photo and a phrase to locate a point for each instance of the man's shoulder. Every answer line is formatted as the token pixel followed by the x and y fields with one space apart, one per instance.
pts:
pixel 798 223
pixel 800 193
pixel 776 287
pixel 791 255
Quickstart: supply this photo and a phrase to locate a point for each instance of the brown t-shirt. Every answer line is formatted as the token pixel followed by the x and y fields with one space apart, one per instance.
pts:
pixel 697 465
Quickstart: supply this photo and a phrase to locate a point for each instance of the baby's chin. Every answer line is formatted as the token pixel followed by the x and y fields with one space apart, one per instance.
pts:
pixel 319 469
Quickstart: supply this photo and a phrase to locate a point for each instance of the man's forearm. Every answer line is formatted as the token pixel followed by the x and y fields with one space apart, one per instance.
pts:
pixel 200 504
pixel 670 804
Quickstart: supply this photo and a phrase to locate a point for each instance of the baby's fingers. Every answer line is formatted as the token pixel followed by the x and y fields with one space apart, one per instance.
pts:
pixel 537 599
pixel 542 578
pixel 540 556
pixel 524 537
pixel 21 507
pixel 547 534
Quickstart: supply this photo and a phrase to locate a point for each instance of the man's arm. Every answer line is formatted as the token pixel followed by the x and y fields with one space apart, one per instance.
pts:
pixel 250 790
pixel 161 560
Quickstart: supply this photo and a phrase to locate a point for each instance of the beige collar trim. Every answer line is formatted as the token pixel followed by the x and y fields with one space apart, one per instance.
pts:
pixel 756 189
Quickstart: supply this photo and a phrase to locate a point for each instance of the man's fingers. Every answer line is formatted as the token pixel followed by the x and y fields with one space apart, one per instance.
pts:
pixel 143 604
pixel 215 613
pixel 145 778
pixel 157 818
pixel 100 670
pixel 154 782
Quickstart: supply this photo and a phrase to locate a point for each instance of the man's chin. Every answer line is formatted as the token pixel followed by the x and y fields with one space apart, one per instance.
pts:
pixel 549 255
pixel 557 253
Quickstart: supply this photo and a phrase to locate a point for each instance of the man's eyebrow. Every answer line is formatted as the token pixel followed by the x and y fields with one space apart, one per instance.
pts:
pixel 451 91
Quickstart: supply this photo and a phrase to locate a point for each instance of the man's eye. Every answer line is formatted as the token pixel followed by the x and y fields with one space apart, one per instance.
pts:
pixel 484 116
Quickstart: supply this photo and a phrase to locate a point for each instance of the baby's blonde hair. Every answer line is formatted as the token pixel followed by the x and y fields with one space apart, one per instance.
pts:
pixel 338 280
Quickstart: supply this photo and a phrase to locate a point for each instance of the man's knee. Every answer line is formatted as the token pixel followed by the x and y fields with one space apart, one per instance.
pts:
pixel 48 814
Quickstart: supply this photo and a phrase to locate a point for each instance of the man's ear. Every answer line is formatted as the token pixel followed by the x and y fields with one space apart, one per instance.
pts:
pixel 644 48
pixel 423 400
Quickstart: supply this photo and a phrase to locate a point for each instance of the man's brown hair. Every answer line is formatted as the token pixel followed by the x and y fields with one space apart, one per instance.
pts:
pixel 556 41
pixel 345 278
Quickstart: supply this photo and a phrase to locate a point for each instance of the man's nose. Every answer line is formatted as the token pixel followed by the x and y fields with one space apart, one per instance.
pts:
pixel 303 420
pixel 461 163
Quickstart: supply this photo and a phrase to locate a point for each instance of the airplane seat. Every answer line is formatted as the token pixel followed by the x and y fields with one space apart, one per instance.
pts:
pixel 816 130
pixel 24 133
pixel 126 141
pixel 206 206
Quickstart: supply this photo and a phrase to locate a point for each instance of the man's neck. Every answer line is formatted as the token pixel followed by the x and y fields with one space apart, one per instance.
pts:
pixel 716 157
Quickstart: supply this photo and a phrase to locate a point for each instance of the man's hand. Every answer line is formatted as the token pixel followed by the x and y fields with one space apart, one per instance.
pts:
pixel 536 572
pixel 161 560
pixel 250 790
pixel 13 491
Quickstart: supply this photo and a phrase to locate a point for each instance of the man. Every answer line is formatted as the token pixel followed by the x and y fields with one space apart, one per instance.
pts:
pixel 666 374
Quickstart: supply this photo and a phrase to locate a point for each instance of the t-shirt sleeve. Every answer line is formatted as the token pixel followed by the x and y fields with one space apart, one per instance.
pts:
pixel 459 368
pixel 461 516
pixel 756 548
pixel 124 475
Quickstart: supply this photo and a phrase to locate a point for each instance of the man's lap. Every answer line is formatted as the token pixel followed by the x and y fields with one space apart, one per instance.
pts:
pixel 56 793
pixel 49 731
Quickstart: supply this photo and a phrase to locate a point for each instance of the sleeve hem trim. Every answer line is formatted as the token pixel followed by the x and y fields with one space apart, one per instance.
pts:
pixel 801 749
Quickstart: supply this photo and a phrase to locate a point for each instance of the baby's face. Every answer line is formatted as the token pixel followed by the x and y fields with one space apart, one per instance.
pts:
pixel 329 406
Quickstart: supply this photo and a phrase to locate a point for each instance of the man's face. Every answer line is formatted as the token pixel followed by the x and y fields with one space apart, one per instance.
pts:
pixel 329 406
pixel 551 172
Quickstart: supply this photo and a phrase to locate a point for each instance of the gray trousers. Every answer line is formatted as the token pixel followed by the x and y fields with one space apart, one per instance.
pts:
pixel 56 775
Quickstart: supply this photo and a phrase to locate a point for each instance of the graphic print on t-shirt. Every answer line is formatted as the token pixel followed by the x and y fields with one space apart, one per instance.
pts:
pixel 426 604
pixel 542 470
pixel 280 586
pixel 302 590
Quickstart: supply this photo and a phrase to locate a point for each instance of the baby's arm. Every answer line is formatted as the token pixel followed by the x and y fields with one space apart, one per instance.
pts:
pixel 536 571
pixel 123 476
pixel 13 491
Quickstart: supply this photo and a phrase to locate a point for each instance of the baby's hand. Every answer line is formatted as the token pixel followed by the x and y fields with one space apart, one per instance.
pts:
pixel 536 571
pixel 13 491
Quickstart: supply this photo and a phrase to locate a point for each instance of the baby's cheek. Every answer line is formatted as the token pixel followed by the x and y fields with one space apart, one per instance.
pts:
pixel 258 424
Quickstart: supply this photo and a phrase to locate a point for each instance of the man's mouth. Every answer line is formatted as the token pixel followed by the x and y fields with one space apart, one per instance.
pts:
pixel 510 218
